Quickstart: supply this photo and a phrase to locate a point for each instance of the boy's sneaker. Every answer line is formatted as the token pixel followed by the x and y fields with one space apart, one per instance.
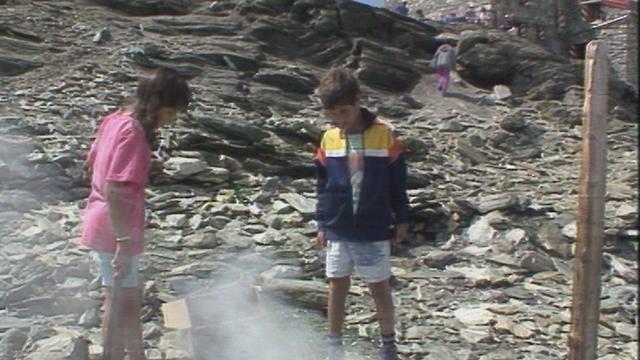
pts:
pixel 389 352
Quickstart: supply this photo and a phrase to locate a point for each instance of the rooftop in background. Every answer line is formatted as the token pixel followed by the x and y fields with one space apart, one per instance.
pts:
pixel 620 4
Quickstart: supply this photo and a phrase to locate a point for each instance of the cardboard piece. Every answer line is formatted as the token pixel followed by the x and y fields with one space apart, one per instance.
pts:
pixel 210 307
pixel 176 315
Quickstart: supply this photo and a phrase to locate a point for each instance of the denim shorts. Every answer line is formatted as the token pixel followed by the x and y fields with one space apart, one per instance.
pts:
pixel 106 270
pixel 369 259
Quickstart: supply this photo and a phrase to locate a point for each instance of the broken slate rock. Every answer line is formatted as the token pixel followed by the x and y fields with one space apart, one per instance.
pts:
pixel 283 272
pixel 476 334
pixel 536 262
pixel 60 347
pixel 481 233
pixel 303 204
pixel 438 259
pixel 497 202
pixel 474 316
pixel 553 240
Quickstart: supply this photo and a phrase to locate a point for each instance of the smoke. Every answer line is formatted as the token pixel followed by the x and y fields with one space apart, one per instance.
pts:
pixel 232 319
pixel 14 169
pixel 235 321
pixel 31 180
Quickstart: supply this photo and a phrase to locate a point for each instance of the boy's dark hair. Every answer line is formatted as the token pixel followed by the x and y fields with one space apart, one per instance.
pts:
pixel 338 87
pixel 164 87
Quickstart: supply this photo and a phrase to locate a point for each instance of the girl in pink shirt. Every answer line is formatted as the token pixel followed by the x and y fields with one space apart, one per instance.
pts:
pixel 113 223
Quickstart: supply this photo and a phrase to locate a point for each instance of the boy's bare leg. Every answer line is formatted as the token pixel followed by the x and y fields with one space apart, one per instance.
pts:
pixel 131 306
pixel 381 293
pixel 338 290
pixel 117 350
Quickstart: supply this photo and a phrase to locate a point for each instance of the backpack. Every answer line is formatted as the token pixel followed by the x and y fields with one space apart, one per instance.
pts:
pixel 443 60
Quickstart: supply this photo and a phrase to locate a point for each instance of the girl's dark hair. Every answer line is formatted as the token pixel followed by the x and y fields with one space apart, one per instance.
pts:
pixel 163 87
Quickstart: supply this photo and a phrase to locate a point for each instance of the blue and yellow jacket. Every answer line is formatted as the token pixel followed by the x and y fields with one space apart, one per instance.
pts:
pixel 383 196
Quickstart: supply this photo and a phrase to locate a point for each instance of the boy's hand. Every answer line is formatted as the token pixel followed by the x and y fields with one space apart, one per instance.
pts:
pixel 400 232
pixel 321 242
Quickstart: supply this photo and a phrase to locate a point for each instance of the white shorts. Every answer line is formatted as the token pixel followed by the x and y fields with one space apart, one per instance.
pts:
pixel 107 272
pixel 370 260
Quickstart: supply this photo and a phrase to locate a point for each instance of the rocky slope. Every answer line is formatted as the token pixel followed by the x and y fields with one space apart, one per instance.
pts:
pixel 486 271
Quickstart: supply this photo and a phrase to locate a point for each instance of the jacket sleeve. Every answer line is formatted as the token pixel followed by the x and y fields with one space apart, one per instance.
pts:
pixel 398 182
pixel 321 182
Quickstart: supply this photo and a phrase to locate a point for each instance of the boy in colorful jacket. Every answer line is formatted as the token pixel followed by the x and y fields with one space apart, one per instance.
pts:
pixel 362 205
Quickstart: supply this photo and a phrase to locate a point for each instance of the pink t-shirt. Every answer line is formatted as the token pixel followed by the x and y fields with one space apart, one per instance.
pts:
pixel 119 154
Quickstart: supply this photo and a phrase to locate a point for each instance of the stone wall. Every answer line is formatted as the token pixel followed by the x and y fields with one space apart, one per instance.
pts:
pixel 623 48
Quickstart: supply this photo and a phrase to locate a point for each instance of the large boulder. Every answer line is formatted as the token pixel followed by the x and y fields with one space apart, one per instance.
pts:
pixel 151 7
pixel 414 37
pixel 191 25
pixel 383 48
pixel 11 65
pixel 489 58
pixel 288 79
pixel 384 68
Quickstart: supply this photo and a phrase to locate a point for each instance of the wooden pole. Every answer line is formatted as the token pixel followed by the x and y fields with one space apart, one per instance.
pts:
pixel 585 311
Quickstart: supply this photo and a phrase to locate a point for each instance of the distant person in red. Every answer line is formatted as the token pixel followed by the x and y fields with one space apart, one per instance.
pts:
pixel 114 219
pixel 444 61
